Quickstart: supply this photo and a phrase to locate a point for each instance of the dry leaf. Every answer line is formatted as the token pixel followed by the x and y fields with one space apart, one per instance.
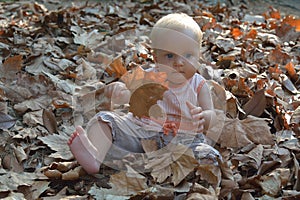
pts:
pixel 49 121
pixel 6 121
pixel 293 21
pixel 239 133
pixel 58 143
pixel 271 184
pixel 236 33
pixel 116 68
pixel 210 173
pixel 257 104
pixel 175 161
pixel 13 63
pixel 128 183
pixel 73 174
pixel 53 174
pixel 199 192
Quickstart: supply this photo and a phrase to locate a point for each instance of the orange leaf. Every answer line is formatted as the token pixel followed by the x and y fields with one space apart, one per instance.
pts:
pixel 229 82
pixel 13 63
pixel 291 71
pixel 244 88
pixel 236 33
pixel 137 77
pixel 274 70
pixel 251 34
pixel 274 13
pixel 277 56
pixel 270 92
pixel 116 68
pixel 260 84
pixel 291 20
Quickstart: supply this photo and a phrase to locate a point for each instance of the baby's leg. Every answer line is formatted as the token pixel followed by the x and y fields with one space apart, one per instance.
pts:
pixel 89 148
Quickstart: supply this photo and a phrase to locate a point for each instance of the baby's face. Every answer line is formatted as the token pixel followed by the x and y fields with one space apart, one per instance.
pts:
pixel 177 54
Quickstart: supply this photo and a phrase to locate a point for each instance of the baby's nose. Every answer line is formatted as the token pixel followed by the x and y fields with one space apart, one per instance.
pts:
pixel 178 61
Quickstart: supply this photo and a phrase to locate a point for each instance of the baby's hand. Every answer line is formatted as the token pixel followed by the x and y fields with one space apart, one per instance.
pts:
pixel 197 116
pixel 117 92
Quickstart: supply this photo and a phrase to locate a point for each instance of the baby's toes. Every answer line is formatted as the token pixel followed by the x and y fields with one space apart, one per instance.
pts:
pixel 72 137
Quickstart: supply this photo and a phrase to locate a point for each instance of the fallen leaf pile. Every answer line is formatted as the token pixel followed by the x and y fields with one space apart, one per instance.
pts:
pixel 56 62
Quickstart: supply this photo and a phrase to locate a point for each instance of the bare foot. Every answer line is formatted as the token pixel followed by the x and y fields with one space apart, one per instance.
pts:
pixel 84 151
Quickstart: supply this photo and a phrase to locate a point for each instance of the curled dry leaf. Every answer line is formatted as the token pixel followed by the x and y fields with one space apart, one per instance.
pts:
pixel 53 173
pixel 73 174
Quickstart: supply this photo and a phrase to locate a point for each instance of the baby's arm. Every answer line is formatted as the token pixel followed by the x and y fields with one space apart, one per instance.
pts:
pixel 204 112
pixel 117 92
pixel 206 103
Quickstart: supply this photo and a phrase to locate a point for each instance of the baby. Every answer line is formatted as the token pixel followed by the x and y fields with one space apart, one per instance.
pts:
pixel 186 105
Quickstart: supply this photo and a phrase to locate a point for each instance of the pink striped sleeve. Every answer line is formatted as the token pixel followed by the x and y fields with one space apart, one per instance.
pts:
pixel 200 86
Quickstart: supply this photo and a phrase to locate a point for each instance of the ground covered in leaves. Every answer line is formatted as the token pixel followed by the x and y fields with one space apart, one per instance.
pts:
pixel 55 63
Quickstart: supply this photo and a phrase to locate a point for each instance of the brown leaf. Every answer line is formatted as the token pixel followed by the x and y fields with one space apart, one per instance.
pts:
pixel 251 34
pixel 10 162
pixel 257 104
pixel 176 160
pixel 199 192
pixel 271 184
pixel 210 173
pixel 127 183
pixel 13 63
pixel 233 134
pixel 53 173
pixel 256 155
pixel 73 174
pixel 240 133
pixel 297 173
pixel 49 121
pixel 58 143
pixel 116 68
pixel 290 68
pixel 258 130
pixel 278 56
pixel 6 121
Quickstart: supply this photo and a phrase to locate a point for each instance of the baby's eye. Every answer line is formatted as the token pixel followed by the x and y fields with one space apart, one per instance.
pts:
pixel 169 55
